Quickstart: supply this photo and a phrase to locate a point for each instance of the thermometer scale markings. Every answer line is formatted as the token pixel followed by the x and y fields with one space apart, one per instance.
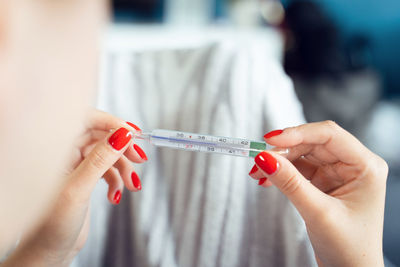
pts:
pixel 217 144
pixel 204 143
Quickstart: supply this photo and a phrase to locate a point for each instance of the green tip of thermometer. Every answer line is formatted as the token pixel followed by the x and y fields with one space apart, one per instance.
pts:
pixel 207 143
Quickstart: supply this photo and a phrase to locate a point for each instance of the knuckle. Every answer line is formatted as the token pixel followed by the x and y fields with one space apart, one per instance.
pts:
pixel 382 167
pixel 376 171
pixel 333 130
pixel 291 185
pixel 331 124
pixel 67 195
pixel 98 159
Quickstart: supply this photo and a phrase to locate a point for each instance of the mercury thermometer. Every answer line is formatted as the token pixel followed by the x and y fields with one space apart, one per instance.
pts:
pixel 206 143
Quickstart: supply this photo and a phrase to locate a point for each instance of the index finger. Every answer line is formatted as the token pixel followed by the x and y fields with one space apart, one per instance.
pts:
pixel 328 134
pixel 100 120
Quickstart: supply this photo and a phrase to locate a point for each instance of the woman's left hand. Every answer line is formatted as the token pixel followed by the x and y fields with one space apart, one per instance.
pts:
pixel 97 153
pixel 337 185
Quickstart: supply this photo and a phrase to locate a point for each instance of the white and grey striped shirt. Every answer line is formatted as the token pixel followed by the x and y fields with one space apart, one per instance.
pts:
pixel 199 209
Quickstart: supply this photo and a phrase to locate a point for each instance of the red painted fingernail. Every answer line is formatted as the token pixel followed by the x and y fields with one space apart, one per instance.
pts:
pixel 267 162
pixel 136 181
pixel 261 181
pixel 120 138
pixel 117 197
pixel 134 126
pixel 140 151
pixel 253 170
pixel 273 133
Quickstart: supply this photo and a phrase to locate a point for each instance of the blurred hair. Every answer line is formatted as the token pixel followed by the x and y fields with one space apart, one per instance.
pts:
pixel 315 49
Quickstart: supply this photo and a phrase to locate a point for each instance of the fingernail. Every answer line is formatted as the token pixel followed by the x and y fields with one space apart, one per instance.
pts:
pixel 261 181
pixel 267 162
pixel 140 151
pixel 134 126
pixel 136 181
pixel 253 170
pixel 117 197
pixel 273 133
pixel 120 138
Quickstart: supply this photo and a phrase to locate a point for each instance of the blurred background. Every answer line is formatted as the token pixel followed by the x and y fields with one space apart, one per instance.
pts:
pixel 342 57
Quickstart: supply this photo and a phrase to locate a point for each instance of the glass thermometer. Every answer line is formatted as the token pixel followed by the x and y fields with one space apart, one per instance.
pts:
pixel 207 143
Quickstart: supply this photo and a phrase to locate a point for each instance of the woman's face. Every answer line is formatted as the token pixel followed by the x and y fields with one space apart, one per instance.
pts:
pixel 48 65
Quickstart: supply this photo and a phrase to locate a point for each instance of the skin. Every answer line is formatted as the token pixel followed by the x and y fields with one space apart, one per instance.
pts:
pixel 48 66
pixel 338 186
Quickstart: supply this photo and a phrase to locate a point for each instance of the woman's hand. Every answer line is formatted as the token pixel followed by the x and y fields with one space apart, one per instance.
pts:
pixel 104 150
pixel 337 185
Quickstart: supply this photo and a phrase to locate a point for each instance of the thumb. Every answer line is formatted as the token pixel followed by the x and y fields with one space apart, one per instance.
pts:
pixel 100 159
pixel 307 199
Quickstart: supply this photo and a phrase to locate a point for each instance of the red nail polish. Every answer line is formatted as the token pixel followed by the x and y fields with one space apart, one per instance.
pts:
pixel 120 138
pixel 140 151
pixel 262 180
pixel 273 133
pixel 267 162
pixel 117 197
pixel 253 170
pixel 134 126
pixel 136 181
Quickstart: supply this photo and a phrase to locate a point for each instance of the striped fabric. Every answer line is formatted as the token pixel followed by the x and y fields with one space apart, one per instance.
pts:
pixel 198 209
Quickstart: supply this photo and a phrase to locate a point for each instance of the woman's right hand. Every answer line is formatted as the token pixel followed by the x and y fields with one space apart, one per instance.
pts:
pixel 337 185
pixel 104 149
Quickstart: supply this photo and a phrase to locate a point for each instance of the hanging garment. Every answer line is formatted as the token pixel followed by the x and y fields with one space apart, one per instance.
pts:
pixel 198 209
